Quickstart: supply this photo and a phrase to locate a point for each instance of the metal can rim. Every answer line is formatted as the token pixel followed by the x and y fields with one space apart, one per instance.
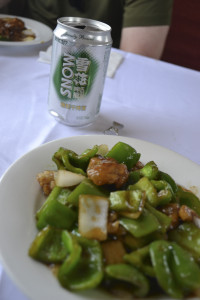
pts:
pixel 103 28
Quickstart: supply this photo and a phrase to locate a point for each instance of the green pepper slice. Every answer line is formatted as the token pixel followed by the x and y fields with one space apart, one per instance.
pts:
pixel 127 200
pixel 150 170
pixel 161 257
pixel 124 153
pixel 162 218
pixel 127 273
pixel 82 161
pixel 144 225
pixel 48 246
pixel 54 213
pixel 133 243
pixel 165 192
pixel 87 271
pixel 62 160
pixel 169 179
pixel 175 268
pixel 140 258
pixel 187 235
pixel 134 176
pixel 189 199
pixel 186 271
pixel 84 188
pixel 72 259
pixel 145 185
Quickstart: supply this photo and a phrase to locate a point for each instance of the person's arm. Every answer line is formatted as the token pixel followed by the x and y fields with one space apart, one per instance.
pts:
pixel 148 41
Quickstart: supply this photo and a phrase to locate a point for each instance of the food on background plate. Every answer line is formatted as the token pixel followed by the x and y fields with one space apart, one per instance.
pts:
pixel 109 221
pixel 14 30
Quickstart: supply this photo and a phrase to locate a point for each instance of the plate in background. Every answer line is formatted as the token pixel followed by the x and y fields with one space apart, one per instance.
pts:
pixel 43 32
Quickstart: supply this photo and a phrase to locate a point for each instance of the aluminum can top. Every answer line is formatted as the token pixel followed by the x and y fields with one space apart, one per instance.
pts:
pixel 89 31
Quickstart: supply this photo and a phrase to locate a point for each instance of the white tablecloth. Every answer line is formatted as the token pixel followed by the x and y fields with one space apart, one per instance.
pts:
pixel 155 101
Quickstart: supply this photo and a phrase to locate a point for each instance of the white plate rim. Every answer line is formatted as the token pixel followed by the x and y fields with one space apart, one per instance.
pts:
pixel 43 32
pixel 33 288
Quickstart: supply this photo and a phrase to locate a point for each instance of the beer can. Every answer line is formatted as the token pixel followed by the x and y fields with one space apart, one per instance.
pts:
pixel 80 55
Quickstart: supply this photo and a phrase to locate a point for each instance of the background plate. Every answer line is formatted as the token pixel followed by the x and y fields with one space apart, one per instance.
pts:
pixel 43 32
pixel 19 194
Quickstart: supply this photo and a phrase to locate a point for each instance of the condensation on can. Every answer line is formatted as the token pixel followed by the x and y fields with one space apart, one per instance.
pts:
pixel 80 55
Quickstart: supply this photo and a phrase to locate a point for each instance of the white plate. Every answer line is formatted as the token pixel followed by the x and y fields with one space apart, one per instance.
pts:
pixel 19 193
pixel 43 32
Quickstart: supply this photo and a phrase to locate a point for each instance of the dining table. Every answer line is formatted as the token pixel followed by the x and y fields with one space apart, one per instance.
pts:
pixel 155 101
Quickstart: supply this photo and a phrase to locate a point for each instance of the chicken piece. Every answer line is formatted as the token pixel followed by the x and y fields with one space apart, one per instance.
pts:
pixel 113 252
pixel 187 214
pixel 46 181
pixel 14 23
pixel 11 28
pixel 107 171
pixel 179 213
pixel 172 210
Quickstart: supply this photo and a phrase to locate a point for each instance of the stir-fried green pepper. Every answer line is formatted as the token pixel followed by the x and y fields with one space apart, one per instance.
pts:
pixel 135 218
pixel 163 219
pixel 175 268
pixel 150 170
pixel 158 192
pixel 165 192
pixel 140 258
pixel 82 161
pixel 132 201
pixel 83 268
pixel 127 273
pixel 134 176
pixel 133 243
pixel 188 236
pixel 161 256
pixel 146 186
pixel 86 187
pixel 151 220
pixel 169 179
pixel 71 260
pixel 48 246
pixel 62 160
pixel 186 271
pixel 144 225
pixel 2 38
pixel 124 153
pixel 189 199
pixel 54 213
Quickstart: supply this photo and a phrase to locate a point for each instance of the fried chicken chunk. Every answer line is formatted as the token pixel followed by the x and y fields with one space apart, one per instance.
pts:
pixel 13 29
pixel 46 181
pixel 172 210
pixel 186 213
pixel 107 171
pixel 179 213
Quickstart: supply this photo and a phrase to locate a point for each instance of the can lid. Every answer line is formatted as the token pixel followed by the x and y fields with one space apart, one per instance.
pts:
pixel 84 24
pixel 88 31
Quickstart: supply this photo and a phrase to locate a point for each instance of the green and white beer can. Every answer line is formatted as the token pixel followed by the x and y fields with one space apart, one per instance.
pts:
pixel 80 55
